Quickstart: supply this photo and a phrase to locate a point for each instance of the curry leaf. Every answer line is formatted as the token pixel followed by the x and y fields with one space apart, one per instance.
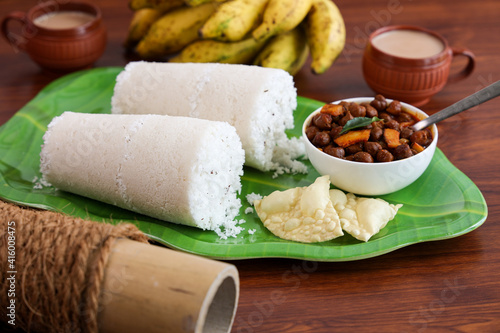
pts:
pixel 358 122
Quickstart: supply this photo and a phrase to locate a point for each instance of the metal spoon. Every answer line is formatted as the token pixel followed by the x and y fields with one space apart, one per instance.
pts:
pixel 483 95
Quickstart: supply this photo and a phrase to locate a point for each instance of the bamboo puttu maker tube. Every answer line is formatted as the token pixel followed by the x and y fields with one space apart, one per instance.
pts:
pixel 66 274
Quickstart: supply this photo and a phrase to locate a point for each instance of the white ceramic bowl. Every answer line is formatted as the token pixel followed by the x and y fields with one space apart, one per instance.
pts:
pixel 371 178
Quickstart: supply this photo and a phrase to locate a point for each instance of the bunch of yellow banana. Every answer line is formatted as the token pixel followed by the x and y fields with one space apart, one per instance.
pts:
pixel 269 33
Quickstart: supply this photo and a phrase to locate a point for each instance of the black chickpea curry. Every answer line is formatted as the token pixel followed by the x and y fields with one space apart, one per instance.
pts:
pixel 378 131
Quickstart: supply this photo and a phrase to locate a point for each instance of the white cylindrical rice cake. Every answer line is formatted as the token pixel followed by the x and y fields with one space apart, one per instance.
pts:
pixel 178 169
pixel 259 102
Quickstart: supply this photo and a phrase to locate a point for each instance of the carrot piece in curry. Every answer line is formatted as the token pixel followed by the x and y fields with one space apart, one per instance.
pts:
pixel 391 137
pixel 353 137
pixel 333 109
pixel 418 148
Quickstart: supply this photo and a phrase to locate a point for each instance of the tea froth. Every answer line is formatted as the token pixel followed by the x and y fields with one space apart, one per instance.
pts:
pixel 408 44
pixel 63 20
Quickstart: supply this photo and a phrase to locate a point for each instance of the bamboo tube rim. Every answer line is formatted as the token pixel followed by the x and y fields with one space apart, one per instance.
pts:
pixel 219 307
pixel 155 289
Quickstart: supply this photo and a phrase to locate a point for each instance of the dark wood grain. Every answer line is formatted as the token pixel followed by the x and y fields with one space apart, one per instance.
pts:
pixel 446 286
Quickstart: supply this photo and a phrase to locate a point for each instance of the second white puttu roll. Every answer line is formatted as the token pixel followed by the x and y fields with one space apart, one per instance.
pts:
pixel 178 169
pixel 259 102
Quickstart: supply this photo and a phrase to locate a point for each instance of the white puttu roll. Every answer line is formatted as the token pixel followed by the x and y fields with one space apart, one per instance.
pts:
pixel 259 102
pixel 177 169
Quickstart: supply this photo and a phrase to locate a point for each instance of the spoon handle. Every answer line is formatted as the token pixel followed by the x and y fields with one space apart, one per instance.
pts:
pixel 483 95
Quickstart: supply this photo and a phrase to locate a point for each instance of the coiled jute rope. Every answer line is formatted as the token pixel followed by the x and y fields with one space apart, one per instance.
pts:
pixel 58 266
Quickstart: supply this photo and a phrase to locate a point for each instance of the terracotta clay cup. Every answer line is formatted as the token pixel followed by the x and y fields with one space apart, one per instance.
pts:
pixel 411 80
pixel 58 50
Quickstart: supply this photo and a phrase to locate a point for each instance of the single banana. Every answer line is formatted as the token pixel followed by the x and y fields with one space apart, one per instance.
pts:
pixel 233 20
pixel 287 51
pixel 139 25
pixel 194 3
pixel 174 30
pixel 163 5
pixel 326 34
pixel 241 52
pixel 281 16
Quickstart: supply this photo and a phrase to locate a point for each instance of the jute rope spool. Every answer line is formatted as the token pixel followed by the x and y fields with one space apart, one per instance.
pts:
pixel 72 275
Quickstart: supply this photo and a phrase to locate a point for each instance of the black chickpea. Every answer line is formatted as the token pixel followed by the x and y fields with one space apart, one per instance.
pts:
pixel 311 132
pixel 404 117
pixel 355 148
pixel 385 116
pixel 394 108
pixel 363 156
pixel 321 139
pixel 370 110
pixel 323 121
pixel 392 124
pixel 335 151
pixel 379 103
pixel 421 137
pixel 372 148
pixel 402 151
pixel 384 155
pixel 406 133
pixel 335 132
pixel 356 110
pixel 376 133
pixel 345 119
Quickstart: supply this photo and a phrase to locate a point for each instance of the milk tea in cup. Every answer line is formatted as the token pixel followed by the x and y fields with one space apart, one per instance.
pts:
pixel 410 64
pixel 63 20
pixel 60 36
pixel 410 44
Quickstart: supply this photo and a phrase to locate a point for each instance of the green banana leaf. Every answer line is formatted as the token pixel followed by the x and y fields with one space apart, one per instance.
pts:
pixel 442 203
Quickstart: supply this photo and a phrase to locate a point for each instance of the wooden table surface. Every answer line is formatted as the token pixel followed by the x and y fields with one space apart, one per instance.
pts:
pixel 444 286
